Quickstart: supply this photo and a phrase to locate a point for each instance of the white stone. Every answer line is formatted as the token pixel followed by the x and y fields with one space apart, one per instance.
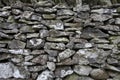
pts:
pixel 65 73
pixel 37 42
pixel 51 66
pixel 88 45
pixel 19 51
pixel 45 75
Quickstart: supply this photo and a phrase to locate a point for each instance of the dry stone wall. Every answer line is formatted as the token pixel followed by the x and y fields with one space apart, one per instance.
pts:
pixel 56 42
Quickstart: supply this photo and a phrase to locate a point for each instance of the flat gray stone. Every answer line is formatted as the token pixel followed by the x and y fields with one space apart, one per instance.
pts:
pixel 54 46
pixel 16 44
pixel 109 27
pixel 99 74
pixel 93 33
pixel 82 70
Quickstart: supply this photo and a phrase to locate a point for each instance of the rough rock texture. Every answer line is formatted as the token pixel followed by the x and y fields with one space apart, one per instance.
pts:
pixel 48 41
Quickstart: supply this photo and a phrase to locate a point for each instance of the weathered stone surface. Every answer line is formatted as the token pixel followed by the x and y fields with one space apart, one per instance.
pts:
pixel 48 16
pixel 36 68
pixel 36 17
pixel 115 39
pixel 65 12
pixel 55 46
pixel 105 46
pixel 52 53
pixel 19 51
pixel 63 72
pixel 54 33
pixel 65 54
pixel 46 75
pixel 45 10
pixel 44 4
pixel 51 66
pixel 33 35
pixel 62 39
pixel 16 11
pixel 109 27
pixel 4 14
pixel 26 29
pixel 77 77
pixel 55 24
pixel 93 33
pixel 9 70
pixel 44 33
pixel 35 43
pixel 10 25
pixel 99 74
pixel 10 31
pixel 117 21
pixel 37 52
pixel 16 44
pixel 67 62
pixel 80 8
pixel 103 11
pixel 41 59
pixel 3 35
pixel 100 17
pixel 100 41
pixel 83 45
pixel 87 56
pixel 82 70
pixel 26 14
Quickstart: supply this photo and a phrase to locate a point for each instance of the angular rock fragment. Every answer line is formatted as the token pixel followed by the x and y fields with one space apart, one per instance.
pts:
pixel 41 59
pixel 65 54
pixel 93 33
pixel 52 53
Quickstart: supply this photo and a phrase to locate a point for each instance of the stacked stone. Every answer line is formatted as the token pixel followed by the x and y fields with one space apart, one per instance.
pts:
pixel 56 42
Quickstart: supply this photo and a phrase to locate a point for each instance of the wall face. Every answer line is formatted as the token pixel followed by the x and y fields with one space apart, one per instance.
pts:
pixel 55 42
